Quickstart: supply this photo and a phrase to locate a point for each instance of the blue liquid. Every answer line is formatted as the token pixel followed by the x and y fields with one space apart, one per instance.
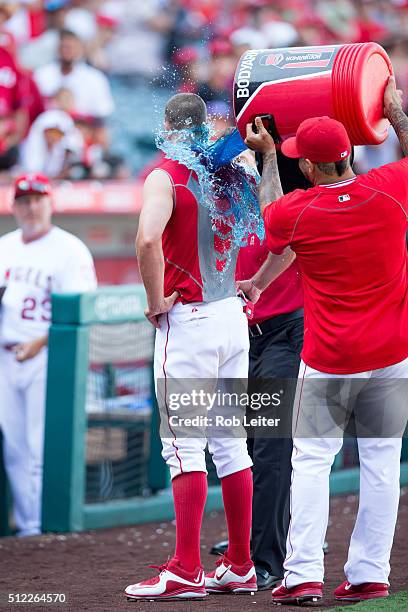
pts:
pixel 228 188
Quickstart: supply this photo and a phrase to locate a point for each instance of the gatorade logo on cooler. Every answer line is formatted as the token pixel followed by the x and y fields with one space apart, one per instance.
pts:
pixel 272 60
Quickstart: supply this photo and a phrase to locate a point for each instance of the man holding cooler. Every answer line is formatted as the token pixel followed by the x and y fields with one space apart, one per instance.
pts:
pixel 348 234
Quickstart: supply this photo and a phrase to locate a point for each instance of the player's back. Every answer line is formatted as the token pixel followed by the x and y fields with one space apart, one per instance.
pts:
pixel 350 243
pixel 200 258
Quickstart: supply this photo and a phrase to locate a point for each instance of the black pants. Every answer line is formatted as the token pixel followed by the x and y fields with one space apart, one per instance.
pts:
pixel 275 354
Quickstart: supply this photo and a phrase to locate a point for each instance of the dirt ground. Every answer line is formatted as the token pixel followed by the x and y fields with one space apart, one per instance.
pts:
pixel 92 568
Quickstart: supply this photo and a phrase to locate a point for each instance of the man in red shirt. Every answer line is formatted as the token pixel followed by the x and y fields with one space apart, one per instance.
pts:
pixel 201 334
pixel 348 234
pixel 13 115
pixel 27 95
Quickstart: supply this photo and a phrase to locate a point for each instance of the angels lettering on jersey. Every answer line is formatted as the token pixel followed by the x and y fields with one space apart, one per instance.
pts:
pixel 32 277
pixel 30 272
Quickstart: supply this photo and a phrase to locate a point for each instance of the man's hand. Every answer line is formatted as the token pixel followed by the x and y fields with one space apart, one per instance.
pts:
pixel 28 350
pixel 152 313
pixel 394 113
pixel 249 290
pixel 392 97
pixel 261 141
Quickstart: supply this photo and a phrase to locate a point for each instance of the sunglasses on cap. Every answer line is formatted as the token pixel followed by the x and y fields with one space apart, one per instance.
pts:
pixel 24 186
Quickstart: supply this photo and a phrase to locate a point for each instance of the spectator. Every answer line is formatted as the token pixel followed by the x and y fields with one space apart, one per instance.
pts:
pixel 370 28
pixel 277 32
pixel 7 11
pixel 189 26
pixel 90 86
pixel 108 20
pixel 28 95
pixel 398 52
pixel 247 38
pixel 52 145
pixel 82 22
pixel 96 161
pixel 186 63
pixel 140 46
pixel 218 84
pixel 263 28
pixel 313 31
pixel 24 19
pixel 43 49
pixel 13 115
pixel 342 19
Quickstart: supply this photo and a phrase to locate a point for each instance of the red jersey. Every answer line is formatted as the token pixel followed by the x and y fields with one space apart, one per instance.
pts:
pixel 10 99
pixel 282 296
pixel 349 239
pixel 195 248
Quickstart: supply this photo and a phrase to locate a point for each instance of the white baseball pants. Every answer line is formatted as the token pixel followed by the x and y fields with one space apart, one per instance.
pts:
pixel 372 537
pixel 22 414
pixel 202 341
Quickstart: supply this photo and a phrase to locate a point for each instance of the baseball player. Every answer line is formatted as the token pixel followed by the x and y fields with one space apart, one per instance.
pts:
pixel 201 334
pixel 35 260
pixel 348 234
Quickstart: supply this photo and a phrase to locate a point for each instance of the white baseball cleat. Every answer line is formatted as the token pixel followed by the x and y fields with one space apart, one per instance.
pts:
pixel 230 578
pixel 173 582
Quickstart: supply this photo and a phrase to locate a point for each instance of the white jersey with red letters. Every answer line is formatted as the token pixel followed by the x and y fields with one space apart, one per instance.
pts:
pixel 56 263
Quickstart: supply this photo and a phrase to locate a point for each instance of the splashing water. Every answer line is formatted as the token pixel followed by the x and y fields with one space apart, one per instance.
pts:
pixel 227 187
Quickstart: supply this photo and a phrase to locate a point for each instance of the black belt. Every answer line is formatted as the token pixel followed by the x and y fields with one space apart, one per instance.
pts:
pixel 270 324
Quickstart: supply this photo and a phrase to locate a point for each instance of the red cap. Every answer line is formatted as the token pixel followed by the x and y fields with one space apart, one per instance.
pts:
pixel 185 55
pixel 107 21
pixel 219 47
pixel 320 139
pixel 31 183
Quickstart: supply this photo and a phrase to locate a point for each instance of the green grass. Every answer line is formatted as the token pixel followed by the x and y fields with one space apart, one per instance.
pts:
pixel 398 601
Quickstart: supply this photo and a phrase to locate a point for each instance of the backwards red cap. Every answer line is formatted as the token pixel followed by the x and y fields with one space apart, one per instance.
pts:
pixel 320 139
pixel 31 183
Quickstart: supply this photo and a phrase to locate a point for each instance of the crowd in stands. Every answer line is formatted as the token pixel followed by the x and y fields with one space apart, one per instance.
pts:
pixel 55 100
pixel 59 60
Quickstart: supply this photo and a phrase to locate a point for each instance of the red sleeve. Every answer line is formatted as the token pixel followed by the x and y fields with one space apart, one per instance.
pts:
pixel 391 179
pixel 277 226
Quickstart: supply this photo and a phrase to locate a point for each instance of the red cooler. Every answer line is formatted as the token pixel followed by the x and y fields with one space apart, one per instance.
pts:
pixel 345 82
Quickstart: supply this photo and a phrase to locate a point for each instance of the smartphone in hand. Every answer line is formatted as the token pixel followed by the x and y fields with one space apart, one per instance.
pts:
pixel 248 305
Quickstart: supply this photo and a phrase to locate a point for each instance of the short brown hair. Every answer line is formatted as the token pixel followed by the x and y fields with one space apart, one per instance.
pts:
pixel 184 111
